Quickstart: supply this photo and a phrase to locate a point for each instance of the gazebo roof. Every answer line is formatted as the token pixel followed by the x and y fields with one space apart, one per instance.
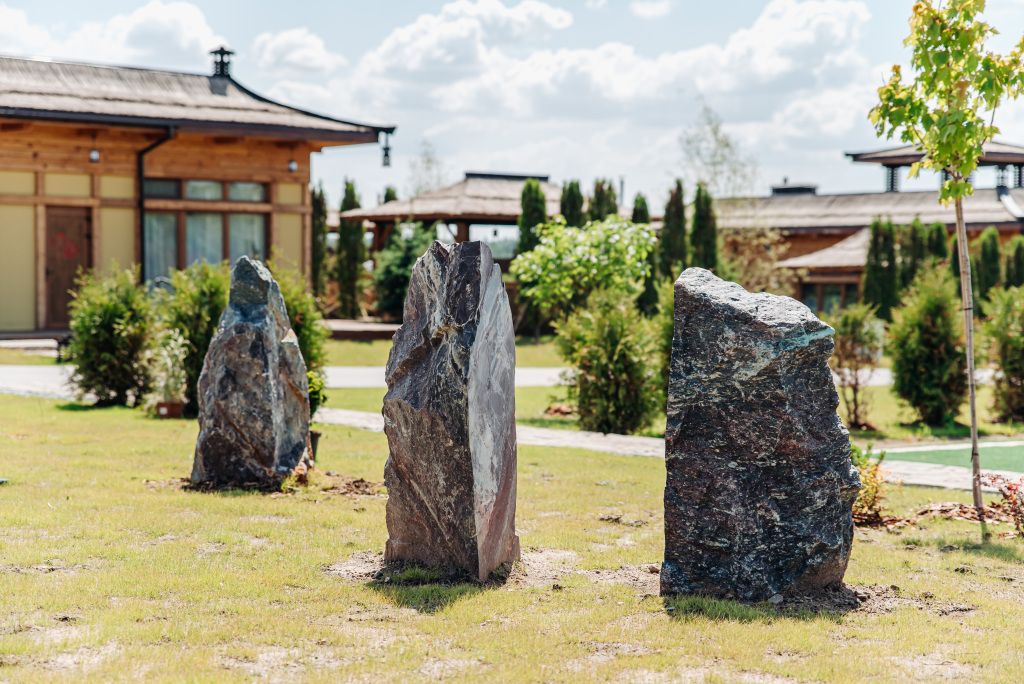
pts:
pixel 994 154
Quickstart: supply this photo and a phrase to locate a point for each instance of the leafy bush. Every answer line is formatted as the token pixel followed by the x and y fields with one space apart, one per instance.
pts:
pixel 569 263
pixel 858 348
pixel 112 324
pixel 868 506
pixel 926 344
pixel 169 366
pixel 664 323
pixel 394 267
pixel 317 396
pixel 614 383
pixel 193 309
pixel 304 316
pixel 1004 332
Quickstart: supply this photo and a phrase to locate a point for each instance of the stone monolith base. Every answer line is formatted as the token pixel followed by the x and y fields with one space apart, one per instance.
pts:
pixel 449 415
pixel 760 486
pixel 253 391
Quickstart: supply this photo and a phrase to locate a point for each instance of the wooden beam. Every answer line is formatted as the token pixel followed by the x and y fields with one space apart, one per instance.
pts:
pixel 307 234
pixel 272 222
pixel 40 256
pixel 55 200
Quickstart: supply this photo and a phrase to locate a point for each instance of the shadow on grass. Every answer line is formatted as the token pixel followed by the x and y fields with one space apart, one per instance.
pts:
pixel 569 424
pixel 79 406
pixel 1006 550
pixel 696 607
pixel 429 589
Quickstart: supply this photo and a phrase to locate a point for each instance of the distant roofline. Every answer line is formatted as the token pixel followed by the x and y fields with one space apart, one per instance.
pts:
pixel 505 176
pixel 905 155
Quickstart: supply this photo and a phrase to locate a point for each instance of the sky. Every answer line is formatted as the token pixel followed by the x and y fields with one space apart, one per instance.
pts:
pixel 577 89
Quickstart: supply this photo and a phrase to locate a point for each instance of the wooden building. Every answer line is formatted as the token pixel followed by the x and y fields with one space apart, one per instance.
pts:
pixel 113 165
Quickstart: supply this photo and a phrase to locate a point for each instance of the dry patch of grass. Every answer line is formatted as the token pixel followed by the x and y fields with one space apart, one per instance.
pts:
pixel 112 571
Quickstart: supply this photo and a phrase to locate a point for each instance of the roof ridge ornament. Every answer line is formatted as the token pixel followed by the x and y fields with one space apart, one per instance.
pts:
pixel 222 62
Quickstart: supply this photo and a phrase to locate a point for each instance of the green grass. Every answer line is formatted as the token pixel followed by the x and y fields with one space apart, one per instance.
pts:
pixel 992 458
pixel 105 576
pixel 16 357
pixel 375 353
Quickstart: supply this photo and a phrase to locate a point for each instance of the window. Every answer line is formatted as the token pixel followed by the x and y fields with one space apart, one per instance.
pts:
pixel 247 192
pixel 247 236
pixel 831 298
pixel 168 188
pixel 809 296
pixel 161 245
pixel 852 294
pixel 204 238
pixel 204 190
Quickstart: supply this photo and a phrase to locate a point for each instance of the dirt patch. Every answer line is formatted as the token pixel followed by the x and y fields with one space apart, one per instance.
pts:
pixel 543 567
pixel 639 577
pixel 361 566
pixel 43 568
pixel 620 519
pixel 870 599
pixel 934 667
pixel 279 519
pixel 436 668
pixel 325 483
pixel 878 521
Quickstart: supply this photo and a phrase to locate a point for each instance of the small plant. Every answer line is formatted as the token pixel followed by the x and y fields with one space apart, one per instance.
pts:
pixel 926 343
pixel 1013 497
pixel 304 317
pixel 112 325
pixel 614 382
pixel 868 505
pixel 1004 332
pixel 858 349
pixel 317 395
pixel 169 366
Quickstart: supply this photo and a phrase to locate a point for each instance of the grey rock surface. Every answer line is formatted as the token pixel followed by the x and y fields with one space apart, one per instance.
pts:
pixel 760 486
pixel 253 391
pixel 449 416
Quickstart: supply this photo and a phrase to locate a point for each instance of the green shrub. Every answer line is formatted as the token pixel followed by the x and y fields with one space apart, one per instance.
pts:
pixel 858 348
pixel 613 381
pixel 664 323
pixel 881 272
pixel 990 261
pixel 913 245
pixel 193 309
pixel 1015 261
pixel 304 316
pixel 112 325
pixel 317 395
pixel 1004 332
pixel 169 366
pixel 926 344
pixel 533 212
pixel 869 504
pixel 394 267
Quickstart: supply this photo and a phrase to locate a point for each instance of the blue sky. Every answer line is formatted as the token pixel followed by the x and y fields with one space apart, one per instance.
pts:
pixel 576 89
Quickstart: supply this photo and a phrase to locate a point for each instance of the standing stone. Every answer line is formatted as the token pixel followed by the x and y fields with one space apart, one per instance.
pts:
pixel 760 486
pixel 253 392
pixel 449 416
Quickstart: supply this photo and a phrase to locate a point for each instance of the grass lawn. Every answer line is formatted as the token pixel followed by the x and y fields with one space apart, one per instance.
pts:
pixel 375 353
pixel 17 357
pixel 108 572
pixel 992 458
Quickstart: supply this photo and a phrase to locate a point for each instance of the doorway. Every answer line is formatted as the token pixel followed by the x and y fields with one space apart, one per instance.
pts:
pixel 68 248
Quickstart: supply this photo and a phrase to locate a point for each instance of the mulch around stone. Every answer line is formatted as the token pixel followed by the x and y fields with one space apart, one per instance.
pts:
pixel 952 510
pixel 877 521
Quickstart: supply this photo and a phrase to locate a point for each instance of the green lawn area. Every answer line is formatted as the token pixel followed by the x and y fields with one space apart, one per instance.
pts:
pixel 375 353
pixel 16 357
pixel 110 571
pixel 992 458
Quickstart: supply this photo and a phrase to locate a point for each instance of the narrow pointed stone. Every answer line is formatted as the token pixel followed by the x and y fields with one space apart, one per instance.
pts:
pixel 449 415
pixel 253 391
pixel 760 486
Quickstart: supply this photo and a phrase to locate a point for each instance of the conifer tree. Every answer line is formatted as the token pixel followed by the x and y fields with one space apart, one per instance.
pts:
pixel 533 213
pixel 640 212
pixel 881 278
pixel 990 261
pixel 954 267
pixel 1015 262
pixel 351 255
pixel 571 204
pixel 704 232
pixel 913 251
pixel 604 203
pixel 938 241
pixel 318 267
pixel 390 194
pixel 672 248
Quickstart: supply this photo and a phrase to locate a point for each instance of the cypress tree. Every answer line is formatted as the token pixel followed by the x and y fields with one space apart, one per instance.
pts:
pixel 704 232
pixel 640 213
pixel 990 261
pixel 603 203
pixel 938 245
pixel 318 268
pixel 571 204
pixel 1015 262
pixel 351 255
pixel 954 267
pixel 390 194
pixel 672 247
pixel 533 213
pixel 880 272
pixel 913 251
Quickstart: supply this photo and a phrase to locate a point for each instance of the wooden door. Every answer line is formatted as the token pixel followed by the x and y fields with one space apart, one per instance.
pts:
pixel 68 248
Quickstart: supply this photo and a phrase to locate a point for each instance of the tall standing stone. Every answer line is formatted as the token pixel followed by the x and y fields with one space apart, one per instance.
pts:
pixel 760 486
pixel 449 415
pixel 253 391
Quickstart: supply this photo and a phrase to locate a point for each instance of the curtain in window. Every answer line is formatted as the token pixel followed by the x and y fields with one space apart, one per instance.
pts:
pixel 161 245
pixel 248 236
pixel 204 238
pixel 204 190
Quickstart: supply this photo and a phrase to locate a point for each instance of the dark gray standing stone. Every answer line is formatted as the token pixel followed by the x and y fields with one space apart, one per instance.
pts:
pixel 449 415
pixel 253 391
pixel 760 486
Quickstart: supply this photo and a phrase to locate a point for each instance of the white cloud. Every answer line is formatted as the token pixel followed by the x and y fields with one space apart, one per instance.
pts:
pixel 651 9
pixel 295 50
pixel 595 4
pixel 18 35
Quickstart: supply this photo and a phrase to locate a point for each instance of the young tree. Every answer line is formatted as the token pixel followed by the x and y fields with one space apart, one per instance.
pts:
pixel 533 213
pixel 1015 262
pixel 704 233
pixel 604 203
pixel 881 279
pixel 571 204
pixel 711 157
pixel 913 251
pixel 858 347
pixel 427 172
pixel 938 241
pixel 351 255
pixel 990 261
pixel 672 248
pixel 957 84
pixel 390 194
pixel 318 267
pixel 640 213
